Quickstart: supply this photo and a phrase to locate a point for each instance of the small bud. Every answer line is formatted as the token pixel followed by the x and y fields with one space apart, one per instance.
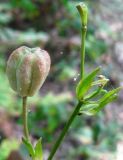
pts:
pixel 27 69
pixel 101 82
pixel 83 11
pixel 101 77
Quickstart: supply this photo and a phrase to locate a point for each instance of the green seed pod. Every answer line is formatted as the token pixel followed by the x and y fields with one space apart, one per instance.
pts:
pixel 27 69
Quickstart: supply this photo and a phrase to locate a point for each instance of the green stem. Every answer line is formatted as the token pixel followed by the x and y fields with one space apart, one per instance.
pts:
pixel 64 131
pixel 83 12
pixel 25 120
pixel 84 29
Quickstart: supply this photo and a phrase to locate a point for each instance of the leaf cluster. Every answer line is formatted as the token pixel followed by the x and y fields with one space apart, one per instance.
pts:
pixel 96 100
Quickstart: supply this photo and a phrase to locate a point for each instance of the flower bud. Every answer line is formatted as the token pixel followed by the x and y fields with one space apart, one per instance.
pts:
pixel 83 11
pixel 27 69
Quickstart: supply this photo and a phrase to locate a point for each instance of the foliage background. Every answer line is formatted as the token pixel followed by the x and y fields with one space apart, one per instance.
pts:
pixel 55 26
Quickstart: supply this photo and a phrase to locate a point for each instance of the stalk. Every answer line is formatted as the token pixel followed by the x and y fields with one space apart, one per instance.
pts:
pixel 83 11
pixel 25 118
pixel 64 131
pixel 83 14
pixel 82 53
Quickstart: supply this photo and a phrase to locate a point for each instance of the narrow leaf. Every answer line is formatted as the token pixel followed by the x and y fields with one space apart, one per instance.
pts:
pixel 85 84
pixel 93 94
pixel 89 109
pixel 109 94
pixel 38 150
pixel 93 108
pixel 107 100
pixel 29 147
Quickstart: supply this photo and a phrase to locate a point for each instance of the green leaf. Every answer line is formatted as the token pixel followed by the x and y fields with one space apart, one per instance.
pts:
pixel 108 98
pixel 89 109
pixel 85 84
pixel 92 107
pixel 110 93
pixel 93 94
pixel 38 150
pixel 29 146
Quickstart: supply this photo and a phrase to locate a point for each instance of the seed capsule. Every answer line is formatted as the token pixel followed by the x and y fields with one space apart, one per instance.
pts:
pixel 27 69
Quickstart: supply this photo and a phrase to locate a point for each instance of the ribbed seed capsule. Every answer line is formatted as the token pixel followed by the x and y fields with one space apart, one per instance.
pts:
pixel 27 70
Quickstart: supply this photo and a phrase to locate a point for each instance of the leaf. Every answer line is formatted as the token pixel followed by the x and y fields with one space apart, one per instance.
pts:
pixel 92 108
pixel 93 94
pixel 29 146
pixel 38 150
pixel 110 93
pixel 89 109
pixel 108 98
pixel 85 84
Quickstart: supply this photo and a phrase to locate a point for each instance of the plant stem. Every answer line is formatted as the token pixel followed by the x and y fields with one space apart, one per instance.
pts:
pixel 83 32
pixel 83 12
pixel 25 120
pixel 64 131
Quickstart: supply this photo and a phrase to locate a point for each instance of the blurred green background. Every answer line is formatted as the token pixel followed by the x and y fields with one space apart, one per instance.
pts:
pixel 54 25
